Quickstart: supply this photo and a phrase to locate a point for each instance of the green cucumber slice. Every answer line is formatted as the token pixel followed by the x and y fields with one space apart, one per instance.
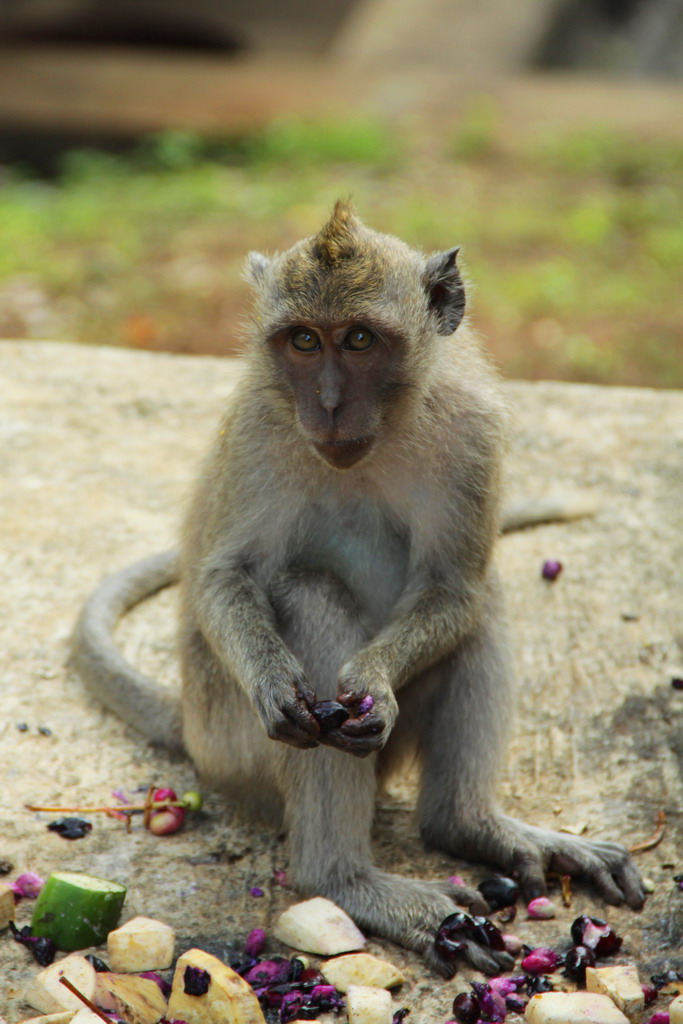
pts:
pixel 77 910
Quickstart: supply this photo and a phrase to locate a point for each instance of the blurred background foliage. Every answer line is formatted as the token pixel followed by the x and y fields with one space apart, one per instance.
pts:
pixel 573 240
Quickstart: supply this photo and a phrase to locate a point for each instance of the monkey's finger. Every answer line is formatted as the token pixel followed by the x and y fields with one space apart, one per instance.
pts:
pixel 301 718
pixel 607 886
pixel 359 746
pixel 631 884
pixel 287 732
pixel 368 725
pixel 466 897
pixel 531 874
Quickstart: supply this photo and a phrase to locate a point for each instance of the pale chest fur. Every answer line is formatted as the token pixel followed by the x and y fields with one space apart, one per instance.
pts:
pixel 360 544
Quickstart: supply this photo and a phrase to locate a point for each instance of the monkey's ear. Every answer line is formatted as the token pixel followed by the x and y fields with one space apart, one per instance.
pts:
pixel 445 290
pixel 255 268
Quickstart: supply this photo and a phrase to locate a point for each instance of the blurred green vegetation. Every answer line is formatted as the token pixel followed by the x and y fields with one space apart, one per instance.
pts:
pixel 573 241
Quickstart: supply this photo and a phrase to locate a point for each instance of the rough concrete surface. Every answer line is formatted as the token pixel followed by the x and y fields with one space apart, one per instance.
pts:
pixel 98 449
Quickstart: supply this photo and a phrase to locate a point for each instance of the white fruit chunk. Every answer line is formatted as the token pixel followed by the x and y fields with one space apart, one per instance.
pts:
pixel 49 996
pixel 228 999
pixel 620 983
pixel 367 1005
pixel 361 969
pixel 137 999
pixel 86 1016
pixel 573 1008
pixel 141 944
pixel 47 1018
pixel 6 905
pixel 318 926
pixel 676 1010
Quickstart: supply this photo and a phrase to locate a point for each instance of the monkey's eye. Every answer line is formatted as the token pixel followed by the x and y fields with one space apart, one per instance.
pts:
pixel 359 339
pixel 305 341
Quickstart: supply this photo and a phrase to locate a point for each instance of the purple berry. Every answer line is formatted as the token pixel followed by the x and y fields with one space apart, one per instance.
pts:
pixel 541 960
pixel 660 1017
pixel 269 972
pixel 486 933
pixel 466 1008
pixel 515 1003
pixel 196 981
pixel 596 934
pixel 576 960
pixel 256 940
pixel 491 1003
pixel 70 828
pixel 99 965
pixel 366 704
pixel 551 569
pixel 330 714
pixel 499 892
pixel 649 994
pixel 536 983
pixel 27 886
pixel 256 892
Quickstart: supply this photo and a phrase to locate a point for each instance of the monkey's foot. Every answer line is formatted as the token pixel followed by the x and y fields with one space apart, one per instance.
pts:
pixel 608 865
pixel 529 854
pixel 409 911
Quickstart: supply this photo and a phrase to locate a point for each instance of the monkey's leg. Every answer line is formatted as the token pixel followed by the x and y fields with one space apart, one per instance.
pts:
pixel 466 710
pixel 330 797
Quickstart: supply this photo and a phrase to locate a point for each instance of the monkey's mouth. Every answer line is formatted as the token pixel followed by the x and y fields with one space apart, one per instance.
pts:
pixel 343 454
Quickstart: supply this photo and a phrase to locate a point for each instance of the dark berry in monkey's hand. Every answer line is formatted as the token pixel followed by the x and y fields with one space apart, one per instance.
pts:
pixel 329 714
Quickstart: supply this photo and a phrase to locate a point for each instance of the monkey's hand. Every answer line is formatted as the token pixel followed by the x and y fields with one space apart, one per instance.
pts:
pixel 366 730
pixel 284 706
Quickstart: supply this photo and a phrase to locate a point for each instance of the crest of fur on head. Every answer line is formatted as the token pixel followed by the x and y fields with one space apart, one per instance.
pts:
pixel 338 238
pixel 348 271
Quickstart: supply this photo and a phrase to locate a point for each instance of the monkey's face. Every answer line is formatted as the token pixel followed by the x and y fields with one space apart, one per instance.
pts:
pixel 339 376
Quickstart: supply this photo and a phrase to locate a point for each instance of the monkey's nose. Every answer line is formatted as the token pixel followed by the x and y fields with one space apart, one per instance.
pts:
pixel 330 399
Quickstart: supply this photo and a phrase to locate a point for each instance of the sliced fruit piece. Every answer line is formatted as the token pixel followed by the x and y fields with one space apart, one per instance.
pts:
pixel 141 944
pixel 46 994
pixel 368 1005
pixel 6 905
pixel 136 999
pixel 361 969
pixel 226 999
pixel 318 926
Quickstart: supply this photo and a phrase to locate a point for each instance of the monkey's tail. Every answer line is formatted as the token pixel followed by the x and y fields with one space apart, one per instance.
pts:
pixel 134 697
pixel 546 510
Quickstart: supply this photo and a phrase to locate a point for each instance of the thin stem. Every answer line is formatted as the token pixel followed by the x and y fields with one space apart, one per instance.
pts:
pixel 84 999
pixel 105 810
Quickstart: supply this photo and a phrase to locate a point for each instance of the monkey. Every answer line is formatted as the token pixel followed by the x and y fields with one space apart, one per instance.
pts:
pixel 338 546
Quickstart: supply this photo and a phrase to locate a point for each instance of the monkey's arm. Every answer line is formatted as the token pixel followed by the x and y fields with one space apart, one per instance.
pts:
pixel 237 621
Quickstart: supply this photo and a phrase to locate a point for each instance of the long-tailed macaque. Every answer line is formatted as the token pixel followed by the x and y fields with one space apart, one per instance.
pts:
pixel 339 547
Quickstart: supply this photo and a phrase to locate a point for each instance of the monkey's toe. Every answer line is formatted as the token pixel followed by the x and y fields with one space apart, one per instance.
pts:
pixel 472 899
pixel 488 961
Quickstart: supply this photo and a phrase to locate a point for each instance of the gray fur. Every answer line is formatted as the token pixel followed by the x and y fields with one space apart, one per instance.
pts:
pixel 302 579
